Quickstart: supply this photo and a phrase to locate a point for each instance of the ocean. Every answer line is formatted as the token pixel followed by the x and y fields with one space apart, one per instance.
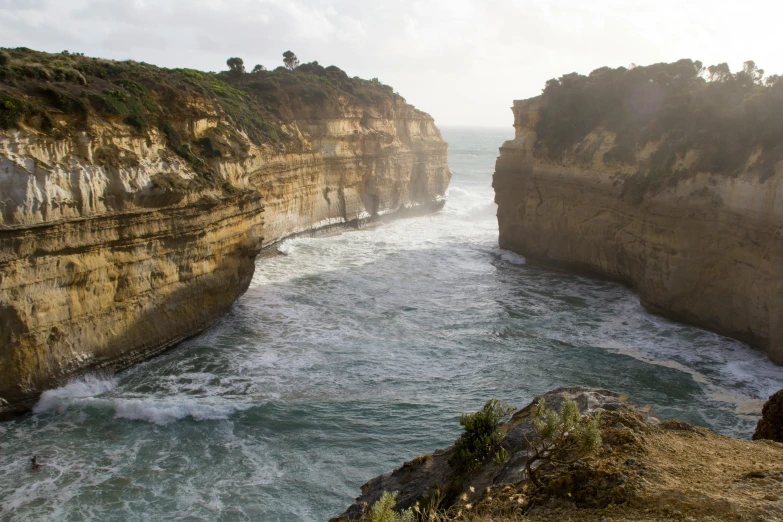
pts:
pixel 350 354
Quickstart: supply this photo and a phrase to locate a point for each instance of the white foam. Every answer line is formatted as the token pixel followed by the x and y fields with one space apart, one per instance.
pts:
pixel 79 390
pixel 91 391
pixel 166 412
pixel 456 190
pixel 511 257
pixel 286 247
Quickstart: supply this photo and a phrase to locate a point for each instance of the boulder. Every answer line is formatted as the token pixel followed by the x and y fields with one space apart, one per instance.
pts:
pixel 770 424
pixel 425 474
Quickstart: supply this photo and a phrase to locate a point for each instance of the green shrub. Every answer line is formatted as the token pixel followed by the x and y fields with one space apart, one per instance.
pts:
pixel 64 102
pixel 209 147
pixel 11 112
pixel 560 439
pixel 383 511
pixel 481 437
pixel 5 59
pixel 33 70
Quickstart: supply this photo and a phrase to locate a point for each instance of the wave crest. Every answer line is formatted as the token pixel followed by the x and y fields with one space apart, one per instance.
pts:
pixel 511 257
pixel 79 390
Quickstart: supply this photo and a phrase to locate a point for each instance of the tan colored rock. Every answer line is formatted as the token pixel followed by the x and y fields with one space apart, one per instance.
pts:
pixel 112 250
pixel 707 251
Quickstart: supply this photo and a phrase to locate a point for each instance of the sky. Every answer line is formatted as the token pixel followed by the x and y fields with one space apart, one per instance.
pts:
pixel 463 61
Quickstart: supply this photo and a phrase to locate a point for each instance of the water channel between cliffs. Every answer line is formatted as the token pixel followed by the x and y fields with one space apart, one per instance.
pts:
pixel 350 354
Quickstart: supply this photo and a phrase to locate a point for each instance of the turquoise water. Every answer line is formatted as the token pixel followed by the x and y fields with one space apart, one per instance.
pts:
pixel 350 354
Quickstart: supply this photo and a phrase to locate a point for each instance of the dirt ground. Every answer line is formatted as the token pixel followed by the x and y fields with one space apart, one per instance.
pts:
pixel 646 472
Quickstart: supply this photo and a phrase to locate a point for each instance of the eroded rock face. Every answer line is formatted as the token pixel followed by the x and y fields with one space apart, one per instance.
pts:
pixel 707 250
pixel 417 479
pixel 770 426
pixel 113 249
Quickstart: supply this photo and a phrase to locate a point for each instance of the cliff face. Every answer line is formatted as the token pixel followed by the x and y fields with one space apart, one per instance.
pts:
pixel 703 247
pixel 116 244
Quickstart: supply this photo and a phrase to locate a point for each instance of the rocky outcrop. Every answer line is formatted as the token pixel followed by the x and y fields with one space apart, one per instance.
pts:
pixel 116 243
pixel 644 469
pixel 417 479
pixel 770 425
pixel 705 248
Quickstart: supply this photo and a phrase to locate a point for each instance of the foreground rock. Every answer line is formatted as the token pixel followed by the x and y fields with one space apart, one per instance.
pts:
pixel 685 210
pixel 134 200
pixel 644 470
pixel 417 479
pixel 770 426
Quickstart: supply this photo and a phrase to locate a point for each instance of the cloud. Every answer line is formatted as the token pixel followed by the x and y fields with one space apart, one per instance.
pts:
pixel 464 61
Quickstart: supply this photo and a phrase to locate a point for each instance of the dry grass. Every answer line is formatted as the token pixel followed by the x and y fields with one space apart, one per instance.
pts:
pixel 672 471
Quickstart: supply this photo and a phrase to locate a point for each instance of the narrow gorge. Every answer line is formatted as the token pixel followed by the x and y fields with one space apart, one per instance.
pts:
pixel 134 199
pixel 655 178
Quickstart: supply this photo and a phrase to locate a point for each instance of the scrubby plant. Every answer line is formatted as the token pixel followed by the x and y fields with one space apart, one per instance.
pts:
pixel 383 510
pixel 481 438
pixel 11 111
pixel 290 60
pixel 560 438
pixel 5 58
pixel 33 70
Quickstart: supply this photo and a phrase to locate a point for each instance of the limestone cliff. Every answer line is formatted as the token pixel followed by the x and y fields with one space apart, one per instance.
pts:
pixel 698 243
pixel 134 200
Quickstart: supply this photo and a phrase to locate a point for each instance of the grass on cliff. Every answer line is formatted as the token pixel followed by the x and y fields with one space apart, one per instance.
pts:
pixel 59 94
pixel 730 119
pixel 643 472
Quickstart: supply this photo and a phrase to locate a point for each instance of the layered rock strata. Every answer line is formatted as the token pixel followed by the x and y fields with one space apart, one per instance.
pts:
pixel 113 247
pixel 706 249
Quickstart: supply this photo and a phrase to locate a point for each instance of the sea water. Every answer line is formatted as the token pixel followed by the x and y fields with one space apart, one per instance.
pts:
pixel 350 354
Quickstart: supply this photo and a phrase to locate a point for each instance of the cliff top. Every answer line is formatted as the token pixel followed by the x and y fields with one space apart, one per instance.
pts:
pixel 644 469
pixel 58 95
pixel 733 121
pixel 643 472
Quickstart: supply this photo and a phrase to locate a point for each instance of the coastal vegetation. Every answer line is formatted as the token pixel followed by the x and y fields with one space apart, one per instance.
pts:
pixel 733 121
pixel 383 511
pixel 637 468
pixel 482 437
pixel 559 440
pixel 60 94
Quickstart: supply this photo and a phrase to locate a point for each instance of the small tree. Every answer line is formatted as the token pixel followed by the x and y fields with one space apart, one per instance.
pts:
pixel 720 72
pixel 752 72
pixel 290 60
pixel 383 510
pixel 481 438
pixel 560 439
pixel 258 68
pixel 698 66
pixel 236 65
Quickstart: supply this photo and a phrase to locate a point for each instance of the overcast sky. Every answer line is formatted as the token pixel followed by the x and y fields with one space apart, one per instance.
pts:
pixel 463 61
